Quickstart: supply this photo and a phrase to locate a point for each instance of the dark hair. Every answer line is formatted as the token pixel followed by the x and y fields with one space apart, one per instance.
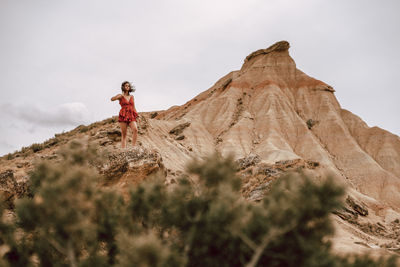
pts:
pixel 132 87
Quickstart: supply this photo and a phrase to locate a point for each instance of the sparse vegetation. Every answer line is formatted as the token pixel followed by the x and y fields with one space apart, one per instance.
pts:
pixel 310 123
pixel 70 221
pixel 51 142
pixel 36 147
pixel 25 151
pixel 82 128
pixel 58 139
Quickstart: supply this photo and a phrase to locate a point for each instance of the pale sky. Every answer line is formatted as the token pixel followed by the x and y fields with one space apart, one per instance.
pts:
pixel 62 60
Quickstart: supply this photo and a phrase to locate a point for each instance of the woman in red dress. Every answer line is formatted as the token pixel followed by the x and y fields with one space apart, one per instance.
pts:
pixel 128 114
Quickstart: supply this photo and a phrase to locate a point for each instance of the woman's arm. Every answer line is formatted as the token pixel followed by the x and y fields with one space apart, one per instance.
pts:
pixel 116 97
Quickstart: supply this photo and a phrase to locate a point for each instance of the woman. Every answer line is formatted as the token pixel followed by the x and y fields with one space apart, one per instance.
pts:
pixel 127 114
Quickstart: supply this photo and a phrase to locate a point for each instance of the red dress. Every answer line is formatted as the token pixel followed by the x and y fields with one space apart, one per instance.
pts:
pixel 127 113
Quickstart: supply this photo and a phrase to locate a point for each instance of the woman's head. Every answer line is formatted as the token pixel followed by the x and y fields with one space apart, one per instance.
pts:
pixel 127 86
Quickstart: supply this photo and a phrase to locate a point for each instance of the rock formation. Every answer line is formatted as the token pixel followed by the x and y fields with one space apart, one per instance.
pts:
pixel 273 118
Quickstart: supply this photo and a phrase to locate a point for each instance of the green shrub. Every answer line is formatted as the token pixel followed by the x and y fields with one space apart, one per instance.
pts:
pixel 36 147
pixel 51 142
pixel 26 151
pixel 200 221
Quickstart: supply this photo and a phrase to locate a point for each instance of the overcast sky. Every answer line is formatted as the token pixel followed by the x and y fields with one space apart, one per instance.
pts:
pixel 61 61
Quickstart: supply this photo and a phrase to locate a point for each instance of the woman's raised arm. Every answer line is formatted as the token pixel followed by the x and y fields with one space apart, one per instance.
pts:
pixel 116 97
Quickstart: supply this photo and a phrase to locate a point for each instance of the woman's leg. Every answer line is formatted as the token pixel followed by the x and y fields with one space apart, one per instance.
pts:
pixel 134 129
pixel 123 134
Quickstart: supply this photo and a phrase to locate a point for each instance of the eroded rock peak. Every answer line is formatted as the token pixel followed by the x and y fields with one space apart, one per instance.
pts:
pixel 278 46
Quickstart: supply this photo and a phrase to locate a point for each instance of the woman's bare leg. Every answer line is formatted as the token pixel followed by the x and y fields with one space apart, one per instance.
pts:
pixel 123 134
pixel 134 129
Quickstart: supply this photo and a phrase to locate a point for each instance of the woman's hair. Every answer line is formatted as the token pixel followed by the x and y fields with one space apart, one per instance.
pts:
pixel 131 86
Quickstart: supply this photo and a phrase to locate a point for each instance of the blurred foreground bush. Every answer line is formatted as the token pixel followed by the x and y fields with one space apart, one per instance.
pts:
pixel 71 221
